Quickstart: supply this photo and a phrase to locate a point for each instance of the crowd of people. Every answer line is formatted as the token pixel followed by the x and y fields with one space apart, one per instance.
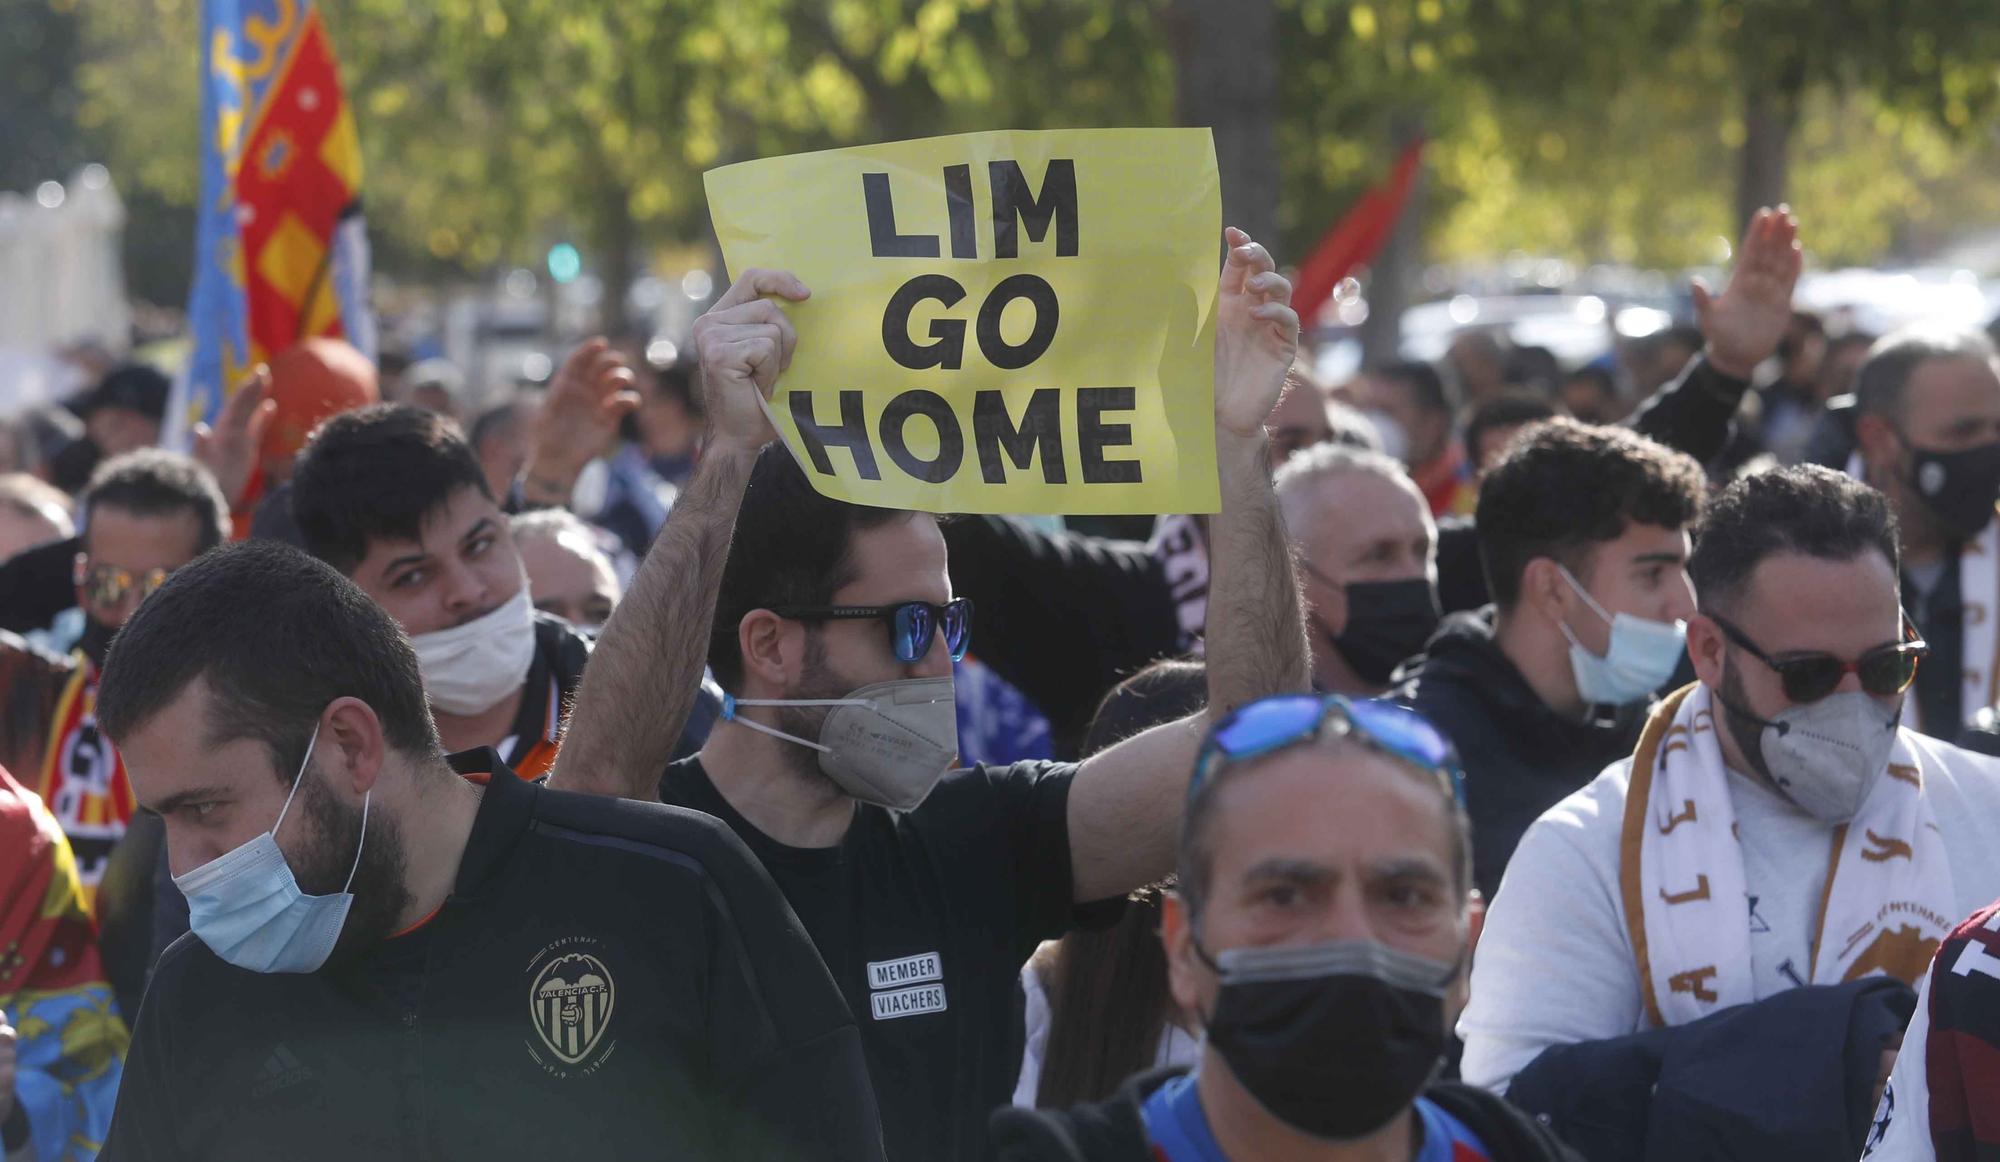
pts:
pixel 1520 764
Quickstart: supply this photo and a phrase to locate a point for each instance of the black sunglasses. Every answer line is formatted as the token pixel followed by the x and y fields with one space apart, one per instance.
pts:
pixel 912 624
pixel 1885 671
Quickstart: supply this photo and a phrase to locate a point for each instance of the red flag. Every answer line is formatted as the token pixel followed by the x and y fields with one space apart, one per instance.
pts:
pixel 1357 238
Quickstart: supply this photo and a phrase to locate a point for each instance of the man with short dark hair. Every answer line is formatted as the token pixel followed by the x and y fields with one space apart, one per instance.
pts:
pixel 1494 424
pixel 1413 412
pixel 145 514
pixel 833 627
pixel 1928 432
pixel 435 956
pixel 1704 929
pixel 1583 537
pixel 499 439
pixel 393 497
pixel 1792 402
pixel 121 414
pixel 1322 939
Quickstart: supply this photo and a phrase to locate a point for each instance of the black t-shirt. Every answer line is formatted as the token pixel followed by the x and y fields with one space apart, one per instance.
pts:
pixel 608 979
pixel 925 919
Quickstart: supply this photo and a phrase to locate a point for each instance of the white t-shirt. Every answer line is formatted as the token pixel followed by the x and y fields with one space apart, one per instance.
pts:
pixel 1555 964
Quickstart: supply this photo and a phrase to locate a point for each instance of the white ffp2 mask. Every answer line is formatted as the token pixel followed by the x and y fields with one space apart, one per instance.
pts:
pixel 1826 756
pixel 886 744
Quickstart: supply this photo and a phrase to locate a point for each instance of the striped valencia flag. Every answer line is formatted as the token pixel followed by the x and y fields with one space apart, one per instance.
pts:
pixel 281 248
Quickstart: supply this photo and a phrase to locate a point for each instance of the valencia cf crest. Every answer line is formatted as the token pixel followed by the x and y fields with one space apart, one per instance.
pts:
pixel 571 998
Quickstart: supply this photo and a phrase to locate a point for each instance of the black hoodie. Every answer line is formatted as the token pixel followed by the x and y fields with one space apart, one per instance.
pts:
pixel 1115 1130
pixel 1521 757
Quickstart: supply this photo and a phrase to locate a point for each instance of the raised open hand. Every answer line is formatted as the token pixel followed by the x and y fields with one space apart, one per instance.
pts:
pixel 1256 336
pixel 745 342
pixel 577 421
pixel 1745 323
pixel 229 449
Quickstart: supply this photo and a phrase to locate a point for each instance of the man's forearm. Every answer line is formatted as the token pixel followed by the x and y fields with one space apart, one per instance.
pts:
pixel 645 673
pixel 1256 636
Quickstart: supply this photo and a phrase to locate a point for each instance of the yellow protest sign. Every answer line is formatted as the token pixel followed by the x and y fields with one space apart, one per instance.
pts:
pixel 1010 322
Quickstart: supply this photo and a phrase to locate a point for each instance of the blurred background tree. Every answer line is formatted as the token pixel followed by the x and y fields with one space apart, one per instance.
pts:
pixel 1635 131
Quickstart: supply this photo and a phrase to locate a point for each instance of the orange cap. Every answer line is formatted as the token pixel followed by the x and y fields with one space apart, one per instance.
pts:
pixel 312 381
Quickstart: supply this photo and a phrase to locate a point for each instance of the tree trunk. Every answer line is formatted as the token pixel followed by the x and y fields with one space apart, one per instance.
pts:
pixel 619 253
pixel 1769 114
pixel 1227 81
pixel 1394 274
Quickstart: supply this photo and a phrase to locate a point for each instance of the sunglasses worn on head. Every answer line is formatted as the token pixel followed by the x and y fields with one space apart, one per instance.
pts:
pixel 1284 720
pixel 1885 671
pixel 912 624
pixel 108 584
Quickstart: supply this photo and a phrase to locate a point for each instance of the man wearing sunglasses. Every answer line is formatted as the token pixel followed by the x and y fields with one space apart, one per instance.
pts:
pixel 1928 428
pixel 145 514
pixel 832 627
pixel 1320 933
pixel 1776 846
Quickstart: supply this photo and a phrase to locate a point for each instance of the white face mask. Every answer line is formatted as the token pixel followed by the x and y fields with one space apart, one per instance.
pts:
pixel 1641 656
pixel 1827 755
pixel 469 668
pixel 886 744
pixel 247 907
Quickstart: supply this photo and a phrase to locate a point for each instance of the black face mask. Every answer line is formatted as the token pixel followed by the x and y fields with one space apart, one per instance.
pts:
pixel 1388 623
pixel 1332 1039
pixel 1959 488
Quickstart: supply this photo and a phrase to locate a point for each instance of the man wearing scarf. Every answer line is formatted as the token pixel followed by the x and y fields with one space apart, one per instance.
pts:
pixel 1928 430
pixel 145 514
pixel 1776 843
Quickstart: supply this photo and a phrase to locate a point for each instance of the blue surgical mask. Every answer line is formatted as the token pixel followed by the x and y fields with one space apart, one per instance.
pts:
pixel 1641 657
pixel 247 907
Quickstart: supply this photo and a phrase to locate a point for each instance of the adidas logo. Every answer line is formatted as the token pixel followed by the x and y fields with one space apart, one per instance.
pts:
pixel 282 1070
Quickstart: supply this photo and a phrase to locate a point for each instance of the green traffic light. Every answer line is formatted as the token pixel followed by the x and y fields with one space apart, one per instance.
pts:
pixel 564 262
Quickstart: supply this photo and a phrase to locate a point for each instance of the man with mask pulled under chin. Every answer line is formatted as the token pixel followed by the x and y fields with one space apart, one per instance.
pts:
pixel 1320 933
pixel 1717 925
pixel 833 628
pixel 393 497
pixel 400 954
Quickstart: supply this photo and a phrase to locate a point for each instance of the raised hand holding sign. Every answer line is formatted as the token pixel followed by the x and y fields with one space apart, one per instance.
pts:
pixel 1006 322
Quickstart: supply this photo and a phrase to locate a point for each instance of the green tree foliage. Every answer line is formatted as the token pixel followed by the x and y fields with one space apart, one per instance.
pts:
pixel 1590 128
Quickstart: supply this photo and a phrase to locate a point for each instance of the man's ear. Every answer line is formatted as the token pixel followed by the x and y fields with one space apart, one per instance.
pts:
pixel 1705 645
pixel 351 744
pixel 1543 589
pixel 1184 968
pixel 771 647
pixel 1878 442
